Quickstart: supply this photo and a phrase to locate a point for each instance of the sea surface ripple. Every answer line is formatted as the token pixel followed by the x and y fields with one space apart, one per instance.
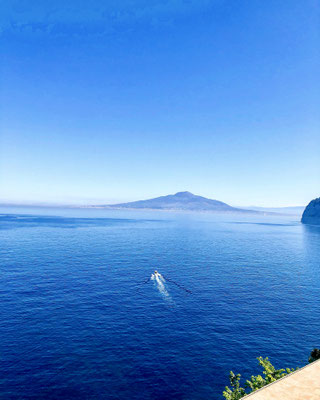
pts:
pixel 79 318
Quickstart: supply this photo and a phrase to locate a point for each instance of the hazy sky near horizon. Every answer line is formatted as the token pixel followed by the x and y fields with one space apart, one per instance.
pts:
pixel 108 101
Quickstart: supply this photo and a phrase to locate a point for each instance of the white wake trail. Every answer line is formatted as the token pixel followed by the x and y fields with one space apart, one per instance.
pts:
pixel 159 282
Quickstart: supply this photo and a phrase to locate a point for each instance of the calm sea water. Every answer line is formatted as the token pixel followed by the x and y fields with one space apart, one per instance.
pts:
pixel 79 320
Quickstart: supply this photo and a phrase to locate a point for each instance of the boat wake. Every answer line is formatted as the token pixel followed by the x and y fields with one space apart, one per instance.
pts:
pixel 159 282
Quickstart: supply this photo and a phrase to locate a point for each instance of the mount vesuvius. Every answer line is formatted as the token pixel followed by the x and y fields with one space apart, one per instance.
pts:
pixel 181 201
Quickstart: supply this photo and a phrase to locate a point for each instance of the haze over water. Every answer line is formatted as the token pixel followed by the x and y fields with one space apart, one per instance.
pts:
pixel 78 318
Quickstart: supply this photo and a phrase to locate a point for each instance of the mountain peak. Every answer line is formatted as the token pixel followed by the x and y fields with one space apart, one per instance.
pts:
pixel 180 201
pixel 184 194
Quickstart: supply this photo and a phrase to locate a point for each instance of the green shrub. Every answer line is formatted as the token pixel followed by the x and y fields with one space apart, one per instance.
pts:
pixel 269 375
pixel 236 392
pixel 315 355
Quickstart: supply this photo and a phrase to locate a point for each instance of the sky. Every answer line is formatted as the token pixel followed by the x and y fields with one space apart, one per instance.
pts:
pixel 108 101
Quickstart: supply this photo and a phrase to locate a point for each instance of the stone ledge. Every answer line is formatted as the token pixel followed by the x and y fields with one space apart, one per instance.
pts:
pixel 303 384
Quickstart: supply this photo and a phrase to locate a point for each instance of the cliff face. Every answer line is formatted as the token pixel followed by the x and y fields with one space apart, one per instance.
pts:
pixel 311 214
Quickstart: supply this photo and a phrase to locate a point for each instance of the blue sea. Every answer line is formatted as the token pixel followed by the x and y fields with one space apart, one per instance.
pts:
pixel 80 318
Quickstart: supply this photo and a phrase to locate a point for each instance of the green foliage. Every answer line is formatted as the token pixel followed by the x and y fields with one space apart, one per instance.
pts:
pixel 269 375
pixel 236 392
pixel 315 355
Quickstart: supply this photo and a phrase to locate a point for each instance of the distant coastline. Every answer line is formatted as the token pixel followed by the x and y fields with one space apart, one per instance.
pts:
pixel 179 202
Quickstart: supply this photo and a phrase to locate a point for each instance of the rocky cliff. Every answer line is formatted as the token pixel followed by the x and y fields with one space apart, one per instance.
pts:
pixel 311 214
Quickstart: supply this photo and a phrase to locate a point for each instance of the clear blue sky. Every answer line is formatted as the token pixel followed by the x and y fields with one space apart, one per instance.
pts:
pixel 122 100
